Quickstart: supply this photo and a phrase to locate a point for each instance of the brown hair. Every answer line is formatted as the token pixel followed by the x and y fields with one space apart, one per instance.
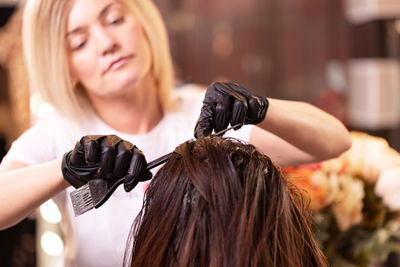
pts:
pixel 218 202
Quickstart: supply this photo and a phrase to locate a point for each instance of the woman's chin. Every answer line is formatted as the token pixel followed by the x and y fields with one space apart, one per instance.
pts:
pixel 121 87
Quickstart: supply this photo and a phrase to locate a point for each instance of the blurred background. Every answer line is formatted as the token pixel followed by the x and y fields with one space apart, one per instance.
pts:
pixel 340 55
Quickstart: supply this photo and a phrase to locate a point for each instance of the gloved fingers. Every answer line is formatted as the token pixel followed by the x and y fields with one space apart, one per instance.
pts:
pixel 138 163
pixel 132 182
pixel 205 123
pixel 257 109
pixel 77 157
pixel 69 173
pixel 91 147
pixel 147 175
pixel 239 107
pixel 239 111
pixel 239 90
pixel 137 169
pixel 232 90
pixel 107 157
pixel 123 158
pixel 219 108
pixel 223 111
pixel 255 106
pixel 128 186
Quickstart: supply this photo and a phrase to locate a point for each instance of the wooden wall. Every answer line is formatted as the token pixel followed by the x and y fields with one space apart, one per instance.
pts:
pixel 278 48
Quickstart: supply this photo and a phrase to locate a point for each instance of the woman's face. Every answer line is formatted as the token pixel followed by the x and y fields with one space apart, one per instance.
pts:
pixel 107 48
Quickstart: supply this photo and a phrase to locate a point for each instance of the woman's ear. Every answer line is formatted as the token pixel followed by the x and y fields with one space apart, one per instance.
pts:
pixel 73 79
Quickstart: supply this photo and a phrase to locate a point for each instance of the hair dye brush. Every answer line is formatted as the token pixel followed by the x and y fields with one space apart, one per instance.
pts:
pixel 97 191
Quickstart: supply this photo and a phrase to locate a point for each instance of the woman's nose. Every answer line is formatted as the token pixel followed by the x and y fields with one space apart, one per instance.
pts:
pixel 106 42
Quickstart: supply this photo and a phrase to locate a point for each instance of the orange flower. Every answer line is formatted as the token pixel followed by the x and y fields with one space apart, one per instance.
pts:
pixel 313 191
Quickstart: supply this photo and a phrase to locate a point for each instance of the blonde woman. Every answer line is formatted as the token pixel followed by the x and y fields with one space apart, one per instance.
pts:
pixel 105 69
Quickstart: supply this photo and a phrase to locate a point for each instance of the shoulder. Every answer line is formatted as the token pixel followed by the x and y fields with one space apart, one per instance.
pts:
pixel 49 137
pixel 45 115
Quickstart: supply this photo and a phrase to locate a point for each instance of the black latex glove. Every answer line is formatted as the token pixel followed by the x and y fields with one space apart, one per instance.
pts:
pixel 226 103
pixel 105 157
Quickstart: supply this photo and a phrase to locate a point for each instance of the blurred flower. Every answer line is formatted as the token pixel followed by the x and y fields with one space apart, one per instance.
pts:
pixel 368 157
pixel 348 202
pixel 388 187
pixel 309 182
pixel 354 199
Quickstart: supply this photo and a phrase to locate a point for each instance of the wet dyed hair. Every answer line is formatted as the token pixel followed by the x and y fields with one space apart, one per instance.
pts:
pixel 218 202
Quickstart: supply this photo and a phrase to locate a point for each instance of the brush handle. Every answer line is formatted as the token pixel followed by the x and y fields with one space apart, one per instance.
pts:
pixel 158 161
pixel 102 189
pixel 106 187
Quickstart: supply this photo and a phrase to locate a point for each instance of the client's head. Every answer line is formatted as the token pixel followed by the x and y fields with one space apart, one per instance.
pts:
pixel 218 202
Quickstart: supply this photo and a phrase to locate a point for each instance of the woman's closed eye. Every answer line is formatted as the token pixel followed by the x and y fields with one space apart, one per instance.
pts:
pixel 77 43
pixel 117 20
pixel 114 18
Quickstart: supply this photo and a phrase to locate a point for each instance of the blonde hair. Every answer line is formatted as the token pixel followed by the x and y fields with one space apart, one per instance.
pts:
pixel 44 31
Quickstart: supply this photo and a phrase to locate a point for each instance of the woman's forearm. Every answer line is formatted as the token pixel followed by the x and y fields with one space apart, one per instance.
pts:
pixel 306 127
pixel 23 190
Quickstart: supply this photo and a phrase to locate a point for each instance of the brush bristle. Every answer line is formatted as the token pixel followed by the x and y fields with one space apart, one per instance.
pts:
pixel 82 200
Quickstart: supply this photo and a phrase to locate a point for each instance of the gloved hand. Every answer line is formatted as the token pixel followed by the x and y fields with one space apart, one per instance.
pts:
pixel 105 157
pixel 226 103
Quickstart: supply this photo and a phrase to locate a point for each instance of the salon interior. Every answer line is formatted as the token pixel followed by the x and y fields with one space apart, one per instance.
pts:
pixel 342 56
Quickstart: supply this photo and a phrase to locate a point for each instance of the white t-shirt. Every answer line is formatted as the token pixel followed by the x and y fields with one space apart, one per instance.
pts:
pixel 98 237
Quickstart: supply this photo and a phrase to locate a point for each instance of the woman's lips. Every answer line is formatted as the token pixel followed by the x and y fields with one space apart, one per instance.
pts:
pixel 116 64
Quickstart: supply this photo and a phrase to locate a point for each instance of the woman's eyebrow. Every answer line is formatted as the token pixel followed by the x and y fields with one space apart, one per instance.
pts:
pixel 105 9
pixel 102 13
pixel 72 32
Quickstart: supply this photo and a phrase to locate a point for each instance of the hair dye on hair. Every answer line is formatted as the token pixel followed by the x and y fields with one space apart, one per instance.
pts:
pixel 219 202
